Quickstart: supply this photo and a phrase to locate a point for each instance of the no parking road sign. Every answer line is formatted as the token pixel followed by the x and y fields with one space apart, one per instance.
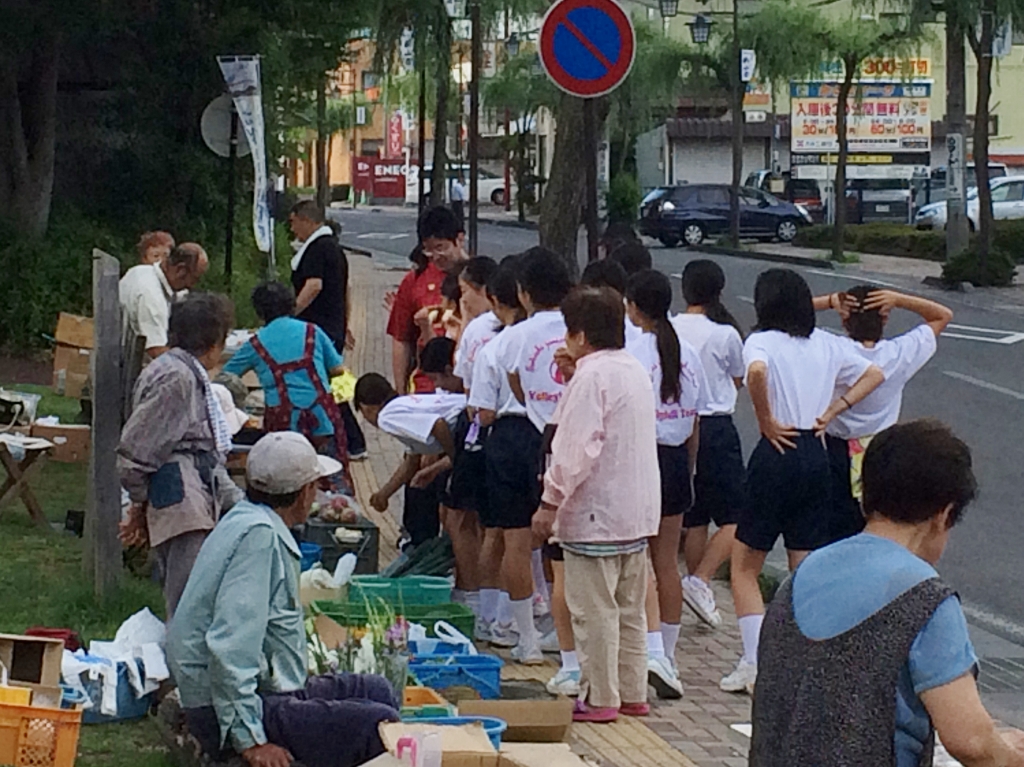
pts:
pixel 587 46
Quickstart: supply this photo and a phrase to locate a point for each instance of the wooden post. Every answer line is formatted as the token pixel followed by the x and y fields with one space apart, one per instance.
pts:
pixel 104 560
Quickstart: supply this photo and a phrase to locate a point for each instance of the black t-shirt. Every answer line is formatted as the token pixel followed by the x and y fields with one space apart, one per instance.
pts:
pixel 325 260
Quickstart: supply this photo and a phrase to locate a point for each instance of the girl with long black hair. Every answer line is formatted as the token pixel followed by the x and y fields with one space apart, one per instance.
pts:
pixel 719 492
pixel 680 387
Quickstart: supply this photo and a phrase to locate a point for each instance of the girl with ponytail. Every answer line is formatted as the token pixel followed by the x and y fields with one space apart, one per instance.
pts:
pixel 680 388
pixel 719 484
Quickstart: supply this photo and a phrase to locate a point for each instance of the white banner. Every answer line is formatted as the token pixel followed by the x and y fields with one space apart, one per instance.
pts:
pixel 242 75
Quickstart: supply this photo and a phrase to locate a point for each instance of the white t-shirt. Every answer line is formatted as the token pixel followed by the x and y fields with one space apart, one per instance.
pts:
pixel 721 350
pixel 675 419
pixel 531 354
pixel 803 372
pixel 146 299
pixel 475 337
pixel 491 389
pixel 899 358
pixel 633 332
pixel 410 419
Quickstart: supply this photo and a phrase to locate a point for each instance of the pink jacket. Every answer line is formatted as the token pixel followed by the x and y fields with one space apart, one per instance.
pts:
pixel 604 477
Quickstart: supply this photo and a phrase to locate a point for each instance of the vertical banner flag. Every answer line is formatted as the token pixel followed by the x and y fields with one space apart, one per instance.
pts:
pixel 242 75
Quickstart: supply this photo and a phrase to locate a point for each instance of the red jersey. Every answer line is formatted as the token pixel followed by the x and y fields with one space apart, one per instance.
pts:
pixel 415 292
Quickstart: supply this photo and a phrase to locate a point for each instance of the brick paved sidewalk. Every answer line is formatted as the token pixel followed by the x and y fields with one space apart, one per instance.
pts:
pixel 693 731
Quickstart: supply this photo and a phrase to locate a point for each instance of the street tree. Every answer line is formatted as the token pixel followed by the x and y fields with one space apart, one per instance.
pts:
pixel 794 41
pixel 520 89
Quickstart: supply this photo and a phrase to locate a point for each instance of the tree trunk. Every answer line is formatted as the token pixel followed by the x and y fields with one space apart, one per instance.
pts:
pixel 28 122
pixel 983 54
pixel 839 242
pixel 438 174
pixel 561 210
pixel 521 180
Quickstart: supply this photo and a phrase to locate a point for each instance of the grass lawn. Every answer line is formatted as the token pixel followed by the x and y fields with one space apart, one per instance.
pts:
pixel 41 584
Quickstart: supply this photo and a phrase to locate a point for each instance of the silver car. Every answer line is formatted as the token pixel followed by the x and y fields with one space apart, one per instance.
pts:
pixel 1007 203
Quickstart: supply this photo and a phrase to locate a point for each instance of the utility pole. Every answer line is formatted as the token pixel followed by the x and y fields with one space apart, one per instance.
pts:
pixel 322 185
pixel 421 136
pixel 476 63
pixel 957 229
pixel 737 129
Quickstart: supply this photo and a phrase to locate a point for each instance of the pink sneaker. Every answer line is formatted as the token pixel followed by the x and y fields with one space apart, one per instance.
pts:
pixel 635 709
pixel 584 713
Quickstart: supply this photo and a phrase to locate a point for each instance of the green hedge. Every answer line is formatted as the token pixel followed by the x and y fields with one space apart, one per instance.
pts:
pixel 906 241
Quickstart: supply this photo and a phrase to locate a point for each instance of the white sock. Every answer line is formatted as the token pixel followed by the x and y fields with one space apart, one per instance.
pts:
pixel 504 609
pixel 750 631
pixel 473 602
pixel 489 604
pixel 655 645
pixel 670 635
pixel 458 596
pixel 540 581
pixel 522 612
pixel 569 661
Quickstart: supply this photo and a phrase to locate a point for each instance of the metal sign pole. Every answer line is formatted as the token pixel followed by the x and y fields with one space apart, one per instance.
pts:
pixel 229 233
pixel 590 153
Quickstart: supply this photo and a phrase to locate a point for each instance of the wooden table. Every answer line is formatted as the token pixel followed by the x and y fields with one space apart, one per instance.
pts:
pixel 20 472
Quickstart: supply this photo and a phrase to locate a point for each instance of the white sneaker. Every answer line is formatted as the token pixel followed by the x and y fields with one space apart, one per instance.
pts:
pixel 701 599
pixel 504 635
pixel 663 678
pixel 740 680
pixel 528 656
pixel 482 631
pixel 540 606
pixel 549 642
pixel 565 683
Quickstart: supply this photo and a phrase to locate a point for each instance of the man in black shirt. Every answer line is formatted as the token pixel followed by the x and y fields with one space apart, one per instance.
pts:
pixel 320 280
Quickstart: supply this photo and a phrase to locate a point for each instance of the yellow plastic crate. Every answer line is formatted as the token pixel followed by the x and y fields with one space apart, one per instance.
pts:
pixel 38 737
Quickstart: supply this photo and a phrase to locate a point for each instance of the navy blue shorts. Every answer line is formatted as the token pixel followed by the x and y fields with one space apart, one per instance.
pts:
pixel 676 492
pixel 720 492
pixel 847 517
pixel 790 495
pixel 467 489
pixel 513 466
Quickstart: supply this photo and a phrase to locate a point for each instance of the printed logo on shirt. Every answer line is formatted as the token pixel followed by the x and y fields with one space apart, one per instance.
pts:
pixel 556 374
pixel 544 396
pixel 539 349
pixel 674 413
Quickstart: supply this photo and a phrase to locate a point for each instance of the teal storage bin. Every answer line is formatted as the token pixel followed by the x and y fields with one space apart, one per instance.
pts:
pixel 409 591
pixel 494 728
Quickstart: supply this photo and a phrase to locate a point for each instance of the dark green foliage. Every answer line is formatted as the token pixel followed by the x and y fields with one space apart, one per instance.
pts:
pixel 966 267
pixel 623 198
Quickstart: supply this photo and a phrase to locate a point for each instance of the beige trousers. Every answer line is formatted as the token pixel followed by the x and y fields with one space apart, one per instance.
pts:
pixel 606 598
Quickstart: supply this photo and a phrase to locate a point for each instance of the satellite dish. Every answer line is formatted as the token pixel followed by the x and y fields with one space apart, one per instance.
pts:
pixel 215 126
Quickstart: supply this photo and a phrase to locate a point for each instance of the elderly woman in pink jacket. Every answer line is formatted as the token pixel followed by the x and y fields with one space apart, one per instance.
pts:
pixel 602 502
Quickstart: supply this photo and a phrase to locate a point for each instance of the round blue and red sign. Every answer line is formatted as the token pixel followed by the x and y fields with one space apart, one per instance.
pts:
pixel 587 46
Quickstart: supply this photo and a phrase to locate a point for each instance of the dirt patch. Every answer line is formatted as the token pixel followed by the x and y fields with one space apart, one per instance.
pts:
pixel 22 370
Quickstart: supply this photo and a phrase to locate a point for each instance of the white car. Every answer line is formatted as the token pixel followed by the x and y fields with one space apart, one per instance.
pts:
pixel 490 186
pixel 1007 203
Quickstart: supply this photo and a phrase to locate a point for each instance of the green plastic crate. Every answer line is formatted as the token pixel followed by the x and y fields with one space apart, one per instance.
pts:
pixel 355 614
pixel 401 592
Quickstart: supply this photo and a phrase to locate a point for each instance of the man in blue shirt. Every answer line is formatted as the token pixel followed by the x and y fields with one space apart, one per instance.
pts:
pixel 864 653
pixel 237 643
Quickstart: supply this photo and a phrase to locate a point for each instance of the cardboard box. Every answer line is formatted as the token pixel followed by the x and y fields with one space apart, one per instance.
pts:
pixel 529 721
pixel 539 755
pixel 71 370
pixel 31 660
pixel 74 337
pixel 71 443
pixel 465 746
pixel 73 330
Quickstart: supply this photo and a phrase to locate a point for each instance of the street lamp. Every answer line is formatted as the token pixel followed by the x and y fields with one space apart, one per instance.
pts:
pixel 512 45
pixel 668 8
pixel 700 29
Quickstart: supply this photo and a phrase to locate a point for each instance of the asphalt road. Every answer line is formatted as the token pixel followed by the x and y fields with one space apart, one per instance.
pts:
pixel 975 384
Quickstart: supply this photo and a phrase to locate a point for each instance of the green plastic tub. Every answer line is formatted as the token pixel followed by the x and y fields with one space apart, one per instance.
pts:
pixel 401 592
pixel 354 614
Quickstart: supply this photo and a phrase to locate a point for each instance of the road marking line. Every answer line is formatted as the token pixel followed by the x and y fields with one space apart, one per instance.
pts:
pixel 989 335
pixel 864 280
pixel 983 384
pixel 746 299
pixel 398 236
pixel 995 624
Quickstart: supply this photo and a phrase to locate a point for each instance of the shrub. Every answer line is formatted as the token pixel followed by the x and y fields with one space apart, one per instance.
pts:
pixel 887 239
pixel 623 198
pixel 966 267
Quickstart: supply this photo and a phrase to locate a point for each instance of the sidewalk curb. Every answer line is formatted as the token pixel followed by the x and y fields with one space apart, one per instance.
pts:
pixel 759 256
pixel 532 226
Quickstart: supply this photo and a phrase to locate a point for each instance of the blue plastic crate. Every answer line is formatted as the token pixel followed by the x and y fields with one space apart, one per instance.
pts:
pixel 480 672
pixel 311 554
pixel 493 727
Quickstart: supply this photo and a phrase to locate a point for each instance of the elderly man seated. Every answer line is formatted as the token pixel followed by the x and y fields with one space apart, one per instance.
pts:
pixel 237 645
